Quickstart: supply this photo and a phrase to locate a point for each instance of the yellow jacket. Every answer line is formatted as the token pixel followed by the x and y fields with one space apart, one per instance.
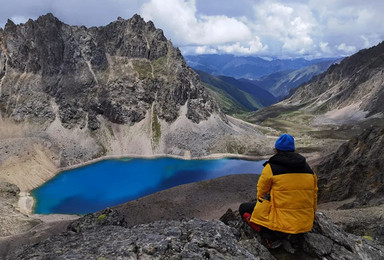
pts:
pixel 292 186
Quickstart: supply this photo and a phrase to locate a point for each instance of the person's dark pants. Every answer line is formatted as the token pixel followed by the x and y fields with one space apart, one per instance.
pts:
pixel 246 208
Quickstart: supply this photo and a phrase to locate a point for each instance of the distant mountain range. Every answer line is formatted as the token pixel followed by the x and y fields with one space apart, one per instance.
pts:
pixel 246 67
pixel 280 83
pixel 348 93
pixel 243 95
pixel 235 96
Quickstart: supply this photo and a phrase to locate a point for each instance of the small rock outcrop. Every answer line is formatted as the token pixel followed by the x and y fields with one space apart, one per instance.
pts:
pixel 104 236
pixel 12 221
pixel 8 190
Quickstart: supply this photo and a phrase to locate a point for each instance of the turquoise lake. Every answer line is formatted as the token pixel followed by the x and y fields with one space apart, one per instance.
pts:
pixel 111 182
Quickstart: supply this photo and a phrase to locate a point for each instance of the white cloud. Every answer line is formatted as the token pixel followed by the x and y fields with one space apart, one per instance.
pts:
pixel 324 47
pixel 298 38
pixel 358 23
pixel 248 48
pixel 366 41
pixel 289 25
pixel 205 50
pixel 184 26
pixel 345 48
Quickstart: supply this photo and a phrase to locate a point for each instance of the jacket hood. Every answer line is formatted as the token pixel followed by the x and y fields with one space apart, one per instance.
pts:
pixel 291 160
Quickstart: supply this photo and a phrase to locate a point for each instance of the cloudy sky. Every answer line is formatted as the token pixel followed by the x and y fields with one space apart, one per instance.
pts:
pixel 266 28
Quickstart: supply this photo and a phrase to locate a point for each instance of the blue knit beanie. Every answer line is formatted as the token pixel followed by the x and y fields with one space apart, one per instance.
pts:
pixel 285 143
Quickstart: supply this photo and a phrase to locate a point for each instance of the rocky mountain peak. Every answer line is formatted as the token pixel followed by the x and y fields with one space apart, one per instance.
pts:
pixel 9 26
pixel 49 17
pixel 119 72
pixel 137 20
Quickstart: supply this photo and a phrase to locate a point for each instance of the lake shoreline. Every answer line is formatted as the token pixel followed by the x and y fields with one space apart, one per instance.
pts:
pixel 27 202
pixel 135 156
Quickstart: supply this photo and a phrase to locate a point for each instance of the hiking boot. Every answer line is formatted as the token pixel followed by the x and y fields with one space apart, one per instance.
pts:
pixel 288 247
pixel 273 244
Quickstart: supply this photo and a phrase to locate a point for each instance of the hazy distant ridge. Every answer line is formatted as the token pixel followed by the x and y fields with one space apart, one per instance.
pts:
pixel 245 66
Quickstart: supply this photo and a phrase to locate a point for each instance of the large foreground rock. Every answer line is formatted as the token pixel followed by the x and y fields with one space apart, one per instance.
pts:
pixel 105 236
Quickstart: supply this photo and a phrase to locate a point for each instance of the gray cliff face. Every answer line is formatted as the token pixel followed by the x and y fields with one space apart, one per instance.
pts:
pixel 355 170
pixel 356 80
pixel 119 71
pixel 353 175
pixel 104 235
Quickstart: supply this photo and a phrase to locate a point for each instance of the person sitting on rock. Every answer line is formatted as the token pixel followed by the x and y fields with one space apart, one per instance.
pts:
pixel 286 194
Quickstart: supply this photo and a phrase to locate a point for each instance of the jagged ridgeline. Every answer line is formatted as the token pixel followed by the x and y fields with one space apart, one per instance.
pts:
pixel 113 90
pixel 118 71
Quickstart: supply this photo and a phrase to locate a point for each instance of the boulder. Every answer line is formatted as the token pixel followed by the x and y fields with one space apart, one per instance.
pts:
pixel 8 189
